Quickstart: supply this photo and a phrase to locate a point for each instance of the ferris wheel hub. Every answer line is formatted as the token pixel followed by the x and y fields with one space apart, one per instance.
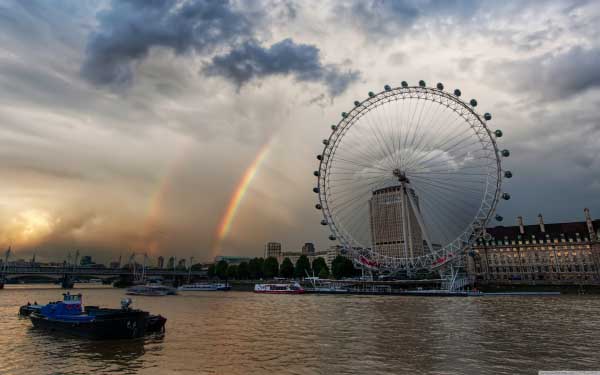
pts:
pixel 401 175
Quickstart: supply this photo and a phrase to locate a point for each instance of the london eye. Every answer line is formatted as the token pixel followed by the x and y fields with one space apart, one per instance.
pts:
pixel 409 177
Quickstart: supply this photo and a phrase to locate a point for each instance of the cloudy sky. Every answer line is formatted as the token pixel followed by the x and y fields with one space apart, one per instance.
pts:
pixel 128 125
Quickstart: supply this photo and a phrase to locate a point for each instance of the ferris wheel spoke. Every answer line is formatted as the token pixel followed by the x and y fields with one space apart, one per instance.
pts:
pixel 444 225
pixel 366 154
pixel 410 126
pixel 453 199
pixel 362 164
pixel 441 150
pixel 366 148
pixel 450 188
pixel 449 173
pixel 361 190
pixel 444 139
pixel 444 200
pixel 432 162
pixel 432 170
pixel 418 126
pixel 381 137
pixel 433 131
pixel 381 125
pixel 449 185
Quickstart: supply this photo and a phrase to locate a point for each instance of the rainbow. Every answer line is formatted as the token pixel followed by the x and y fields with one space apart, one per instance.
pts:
pixel 151 232
pixel 238 195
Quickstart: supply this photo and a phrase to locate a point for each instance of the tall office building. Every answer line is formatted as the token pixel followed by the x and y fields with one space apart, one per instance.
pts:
pixel 161 262
pixel 395 231
pixel 308 248
pixel 272 249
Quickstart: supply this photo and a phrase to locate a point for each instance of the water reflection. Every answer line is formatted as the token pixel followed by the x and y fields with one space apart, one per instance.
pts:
pixel 70 355
pixel 243 333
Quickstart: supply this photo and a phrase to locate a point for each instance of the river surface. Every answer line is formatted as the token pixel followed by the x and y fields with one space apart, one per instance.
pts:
pixel 245 333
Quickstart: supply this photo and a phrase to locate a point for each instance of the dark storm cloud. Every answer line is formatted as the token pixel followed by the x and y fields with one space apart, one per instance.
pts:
pixel 130 28
pixel 553 75
pixel 250 61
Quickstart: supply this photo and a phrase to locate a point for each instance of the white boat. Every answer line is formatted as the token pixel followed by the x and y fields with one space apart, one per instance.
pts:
pixel 326 287
pixel 204 287
pixel 289 288
pixel 151 290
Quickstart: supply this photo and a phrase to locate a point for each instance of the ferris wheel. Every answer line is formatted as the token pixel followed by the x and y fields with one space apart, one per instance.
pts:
pixel 409 177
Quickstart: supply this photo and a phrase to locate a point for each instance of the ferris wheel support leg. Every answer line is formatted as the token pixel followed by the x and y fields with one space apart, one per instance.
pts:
pixel 420 221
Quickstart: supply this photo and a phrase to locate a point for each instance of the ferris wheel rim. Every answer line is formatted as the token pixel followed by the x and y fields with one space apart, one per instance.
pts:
pixel 489 200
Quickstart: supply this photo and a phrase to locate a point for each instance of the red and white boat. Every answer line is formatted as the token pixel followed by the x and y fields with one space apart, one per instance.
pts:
pixel 289 288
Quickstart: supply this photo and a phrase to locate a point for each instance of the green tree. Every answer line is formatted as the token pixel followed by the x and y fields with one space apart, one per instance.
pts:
pixel 287 268
pixel 318 264
pixel 243 273
pixel 302 267
pixel 221 269
pixel 211 271
pixel 343 267
pixel 232 272
pixel 271 268
pixel 349 270
pixel 253 269
pixel 324 273
pixel 261 267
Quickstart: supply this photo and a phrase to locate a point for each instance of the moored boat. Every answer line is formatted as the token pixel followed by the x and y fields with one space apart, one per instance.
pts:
pixel 68 316
pixel 204 287
pixel 288 288
pixel 151 290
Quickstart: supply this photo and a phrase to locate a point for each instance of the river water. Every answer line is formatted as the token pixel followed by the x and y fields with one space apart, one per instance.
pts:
pixel 245 333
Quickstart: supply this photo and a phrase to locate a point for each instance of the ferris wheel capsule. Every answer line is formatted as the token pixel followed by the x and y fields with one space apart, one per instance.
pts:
pixel 422 83
pixel 473 103
pixel 499 218
pixel 371 94
pixel 317 173
pixel 508 174
pixel 326 142
pixel 498 133
pixel 387 88
pixel 318 206
pixel 323 222
pixel 457 92
pixel 487 116
pixel 334 127
pixel 344 114
pixel 316 190
pixel 404 84
pixel 332 237
pixel 356 103
pixel 505 153
pixel 505 196
pixel 440 86
pixel 319 157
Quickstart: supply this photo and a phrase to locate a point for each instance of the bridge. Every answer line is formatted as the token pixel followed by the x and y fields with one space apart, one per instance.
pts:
pixel 57 272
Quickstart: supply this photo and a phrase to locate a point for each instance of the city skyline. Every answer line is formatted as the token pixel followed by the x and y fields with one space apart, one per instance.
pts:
pixel 206 146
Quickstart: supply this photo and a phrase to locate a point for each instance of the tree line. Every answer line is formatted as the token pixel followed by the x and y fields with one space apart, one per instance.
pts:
pixel 269 268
